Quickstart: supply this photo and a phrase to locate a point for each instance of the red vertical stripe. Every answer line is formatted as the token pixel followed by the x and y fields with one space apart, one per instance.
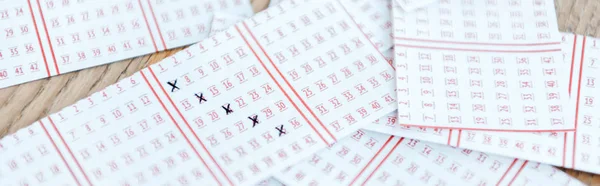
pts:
pixel 572 62
pixel 148 25
pixel 518 172
pixel 450 136
pixel 189 127
pixel 48 37
pixel 382 161
pixel 280 88
pixel 59 153
pixel 373 158
pixel 288 83
pixel 577 102
pixel 69 149
pixel 157 27
pixel 459 134
pixel 37 33
pixel 573 52
pixel 507 170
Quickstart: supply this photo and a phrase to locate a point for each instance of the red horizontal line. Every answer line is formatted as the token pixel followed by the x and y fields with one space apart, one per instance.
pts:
pixel 479 50
pixel 492 130
pixel 477 43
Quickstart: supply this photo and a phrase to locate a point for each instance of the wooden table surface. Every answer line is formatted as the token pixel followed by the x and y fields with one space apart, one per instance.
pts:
pixel 26 103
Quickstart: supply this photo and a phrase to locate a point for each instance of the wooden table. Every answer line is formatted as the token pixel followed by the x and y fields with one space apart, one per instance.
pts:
pixel 26 103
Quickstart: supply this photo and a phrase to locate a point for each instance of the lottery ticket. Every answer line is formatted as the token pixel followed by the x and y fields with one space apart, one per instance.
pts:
pixel 482 65
pixel 565 149
pixel 43 38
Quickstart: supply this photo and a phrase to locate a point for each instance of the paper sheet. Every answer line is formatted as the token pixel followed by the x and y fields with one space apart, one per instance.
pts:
pixel 368 158
pixel 222 21
pixel 546 147
pixel 373 16
pixel 556 148
pixel 43 38
pixel 476 65
pixel 204 115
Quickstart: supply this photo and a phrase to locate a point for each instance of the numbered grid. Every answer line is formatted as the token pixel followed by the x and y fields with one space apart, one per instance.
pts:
pixel 22 55
pixel 448 88
pixel 108 152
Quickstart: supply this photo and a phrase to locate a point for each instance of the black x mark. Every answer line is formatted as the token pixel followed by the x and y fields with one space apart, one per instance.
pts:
pixel 281 130
pixel 254 120
pixel 227 109
pixel 200 97
pixel 173 85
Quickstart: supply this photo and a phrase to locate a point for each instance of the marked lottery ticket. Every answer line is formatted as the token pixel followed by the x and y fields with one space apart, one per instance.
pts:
pixel 482 65
pixel 229 110
pixel 43 38
pixel 368 158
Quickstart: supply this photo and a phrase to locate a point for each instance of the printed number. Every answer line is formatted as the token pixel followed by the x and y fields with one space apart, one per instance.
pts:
pixel 33 67
pixel 3 74
pixel 117 114
pixel 19 71
pixel 145 100
pixel 158 119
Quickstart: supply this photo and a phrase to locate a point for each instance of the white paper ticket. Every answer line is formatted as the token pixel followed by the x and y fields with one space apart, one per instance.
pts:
pixel 565 149
pixel 43 38
pixel 546 147
pixel 482 65
pixel 229 110
pixel 368 158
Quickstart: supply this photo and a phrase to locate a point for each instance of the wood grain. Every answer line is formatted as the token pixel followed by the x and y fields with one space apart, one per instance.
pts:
pixel 24 104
